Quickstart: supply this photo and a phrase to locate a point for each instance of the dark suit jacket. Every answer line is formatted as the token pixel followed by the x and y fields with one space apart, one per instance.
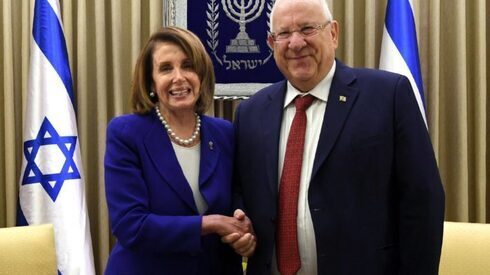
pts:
pixel 375 195
pixel 151 207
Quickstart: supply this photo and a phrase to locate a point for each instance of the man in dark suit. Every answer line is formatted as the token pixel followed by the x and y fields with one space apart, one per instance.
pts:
pixel 367 197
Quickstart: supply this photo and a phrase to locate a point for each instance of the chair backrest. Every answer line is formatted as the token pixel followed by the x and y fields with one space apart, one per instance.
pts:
pixel 465 249
pixel 28 250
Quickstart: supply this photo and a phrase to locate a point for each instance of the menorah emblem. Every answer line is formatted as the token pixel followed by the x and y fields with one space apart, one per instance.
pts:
pixel 243 13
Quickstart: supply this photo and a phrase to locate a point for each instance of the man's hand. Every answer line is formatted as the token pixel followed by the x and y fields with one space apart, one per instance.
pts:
pixel 242 244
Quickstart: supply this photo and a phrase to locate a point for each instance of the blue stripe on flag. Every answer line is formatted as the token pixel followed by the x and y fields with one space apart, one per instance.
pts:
pixel 48 34
pixel 400 24
pixel 21 218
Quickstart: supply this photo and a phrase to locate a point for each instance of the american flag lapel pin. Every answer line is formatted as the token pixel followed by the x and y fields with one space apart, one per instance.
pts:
pixel 342 98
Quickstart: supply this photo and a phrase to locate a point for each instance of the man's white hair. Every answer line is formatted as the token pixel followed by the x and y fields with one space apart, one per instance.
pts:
pixel 323 3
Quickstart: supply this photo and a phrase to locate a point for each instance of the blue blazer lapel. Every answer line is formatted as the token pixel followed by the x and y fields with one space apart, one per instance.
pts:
pixel 162 154
pixel 272 112
pixel 210 153
pixel 340 101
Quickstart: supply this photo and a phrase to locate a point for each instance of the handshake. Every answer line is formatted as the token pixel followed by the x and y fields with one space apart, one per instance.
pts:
pixel 237 231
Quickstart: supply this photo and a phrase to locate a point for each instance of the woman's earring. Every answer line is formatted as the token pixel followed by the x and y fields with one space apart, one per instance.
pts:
pixel 152 94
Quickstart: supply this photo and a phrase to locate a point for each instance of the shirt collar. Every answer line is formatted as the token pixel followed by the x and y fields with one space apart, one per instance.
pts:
pixel 320 91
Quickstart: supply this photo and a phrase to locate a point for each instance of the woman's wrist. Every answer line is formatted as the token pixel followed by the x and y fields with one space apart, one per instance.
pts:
pixel 208 224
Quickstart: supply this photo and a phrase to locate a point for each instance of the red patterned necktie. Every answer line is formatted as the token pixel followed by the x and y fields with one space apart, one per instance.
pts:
pixel 287 252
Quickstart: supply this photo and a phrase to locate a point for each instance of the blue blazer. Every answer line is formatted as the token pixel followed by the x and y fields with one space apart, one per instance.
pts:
pixel 375 195
pixel 151 207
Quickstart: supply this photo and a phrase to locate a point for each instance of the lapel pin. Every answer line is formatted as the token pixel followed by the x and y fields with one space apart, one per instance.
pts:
pixel 211 144
pixel 342 98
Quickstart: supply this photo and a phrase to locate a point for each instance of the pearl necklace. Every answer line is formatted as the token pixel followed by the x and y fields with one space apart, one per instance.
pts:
pixel 173 136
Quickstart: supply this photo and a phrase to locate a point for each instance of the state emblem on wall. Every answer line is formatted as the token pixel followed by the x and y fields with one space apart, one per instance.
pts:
pixel 234 33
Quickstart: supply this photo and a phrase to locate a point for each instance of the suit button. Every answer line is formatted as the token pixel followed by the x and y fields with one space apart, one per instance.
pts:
pixel 273 220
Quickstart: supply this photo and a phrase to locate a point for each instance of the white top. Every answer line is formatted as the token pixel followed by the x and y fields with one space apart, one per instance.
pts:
pixel 314 120
pixel 189 158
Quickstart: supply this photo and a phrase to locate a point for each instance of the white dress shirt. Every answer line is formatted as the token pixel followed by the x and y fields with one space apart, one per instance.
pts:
pixel 314 121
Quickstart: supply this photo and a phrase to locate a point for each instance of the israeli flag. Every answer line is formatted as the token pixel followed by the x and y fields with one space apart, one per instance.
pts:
pixel 51 187
pixel 399 50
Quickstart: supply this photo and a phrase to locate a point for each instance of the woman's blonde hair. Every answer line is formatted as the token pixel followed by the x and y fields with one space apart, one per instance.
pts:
pixel 191 45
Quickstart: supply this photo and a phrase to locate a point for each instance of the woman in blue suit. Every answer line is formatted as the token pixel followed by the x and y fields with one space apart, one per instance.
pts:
pixel 168 168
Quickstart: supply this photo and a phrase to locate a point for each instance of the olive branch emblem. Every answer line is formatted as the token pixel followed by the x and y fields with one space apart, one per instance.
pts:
pixel 270 4
pixel 212 28
pixel 212 14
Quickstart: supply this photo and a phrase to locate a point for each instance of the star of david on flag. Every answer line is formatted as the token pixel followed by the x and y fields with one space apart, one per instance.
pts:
pixel 51 182
pixel 51 185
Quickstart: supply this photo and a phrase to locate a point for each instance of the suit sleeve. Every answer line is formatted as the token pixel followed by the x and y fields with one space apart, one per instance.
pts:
pixel 237 201
pixel 420 192
pixel 132 222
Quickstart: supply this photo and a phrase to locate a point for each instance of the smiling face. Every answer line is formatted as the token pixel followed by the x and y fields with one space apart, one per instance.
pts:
pixel 304 61
pixel 174 79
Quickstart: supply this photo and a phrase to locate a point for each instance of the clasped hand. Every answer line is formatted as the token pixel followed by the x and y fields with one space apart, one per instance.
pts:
pixel 237 231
